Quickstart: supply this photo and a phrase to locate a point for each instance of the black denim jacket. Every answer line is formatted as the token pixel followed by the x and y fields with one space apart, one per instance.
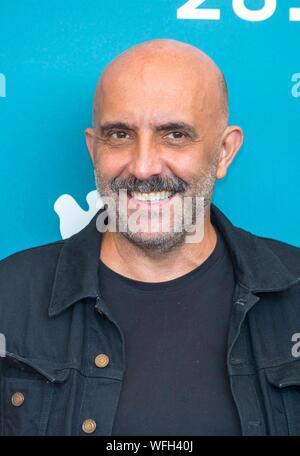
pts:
pixel 56 324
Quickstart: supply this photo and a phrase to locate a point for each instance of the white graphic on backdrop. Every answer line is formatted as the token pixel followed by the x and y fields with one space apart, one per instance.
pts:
pixel 72 218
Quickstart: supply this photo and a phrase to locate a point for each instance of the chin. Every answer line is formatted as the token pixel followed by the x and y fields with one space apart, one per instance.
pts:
pixel 156 242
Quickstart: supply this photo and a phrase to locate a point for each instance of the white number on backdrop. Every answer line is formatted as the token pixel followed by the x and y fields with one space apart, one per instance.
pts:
pixel 294 14
pixel 261 14
pixel 190 11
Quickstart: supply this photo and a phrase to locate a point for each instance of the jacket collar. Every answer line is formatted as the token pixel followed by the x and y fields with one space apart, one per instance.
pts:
pixel 256 266
pixel 76 275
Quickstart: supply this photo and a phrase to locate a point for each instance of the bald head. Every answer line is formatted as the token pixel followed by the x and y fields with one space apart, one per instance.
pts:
pixel 159 58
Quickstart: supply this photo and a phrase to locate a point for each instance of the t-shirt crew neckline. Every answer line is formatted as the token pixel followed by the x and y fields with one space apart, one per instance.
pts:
pixel 215 256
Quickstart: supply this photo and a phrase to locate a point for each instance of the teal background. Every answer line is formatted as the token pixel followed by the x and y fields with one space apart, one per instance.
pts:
pixel 52 53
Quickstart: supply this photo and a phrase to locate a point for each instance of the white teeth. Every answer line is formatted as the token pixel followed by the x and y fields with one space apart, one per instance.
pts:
pixel 153 196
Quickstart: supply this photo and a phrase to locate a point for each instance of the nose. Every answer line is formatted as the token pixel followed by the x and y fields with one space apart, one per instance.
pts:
pixel 145 160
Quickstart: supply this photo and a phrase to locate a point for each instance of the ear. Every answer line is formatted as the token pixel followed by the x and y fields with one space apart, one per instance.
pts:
pixel 89 139
pixel 231 143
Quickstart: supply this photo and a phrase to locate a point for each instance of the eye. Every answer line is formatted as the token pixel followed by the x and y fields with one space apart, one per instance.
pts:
pixel 177 135
pixel 118 138
pixel 120 134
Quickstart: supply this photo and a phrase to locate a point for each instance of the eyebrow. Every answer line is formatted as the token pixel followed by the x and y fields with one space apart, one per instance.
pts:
pixel 105 127
pixel 177 125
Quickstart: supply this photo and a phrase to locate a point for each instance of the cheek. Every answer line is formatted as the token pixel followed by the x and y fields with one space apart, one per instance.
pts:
pixel 188 164
pixel 109 163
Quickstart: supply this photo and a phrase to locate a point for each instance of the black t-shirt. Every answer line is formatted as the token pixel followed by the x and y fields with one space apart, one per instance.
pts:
pixel 176 381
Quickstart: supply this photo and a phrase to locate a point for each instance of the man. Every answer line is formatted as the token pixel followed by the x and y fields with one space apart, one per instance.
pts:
pixel 151 331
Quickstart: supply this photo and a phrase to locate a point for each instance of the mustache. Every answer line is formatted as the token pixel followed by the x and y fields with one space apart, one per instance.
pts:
pixel 153 184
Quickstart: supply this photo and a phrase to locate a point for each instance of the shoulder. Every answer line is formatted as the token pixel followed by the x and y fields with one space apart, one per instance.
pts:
pixel 288 254
pixel 251 247
pixel 30 261
pixel 26 279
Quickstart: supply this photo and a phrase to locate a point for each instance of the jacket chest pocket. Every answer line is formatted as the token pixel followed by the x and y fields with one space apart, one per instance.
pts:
pixel 26 394
pixel 25 406
pixel 286 380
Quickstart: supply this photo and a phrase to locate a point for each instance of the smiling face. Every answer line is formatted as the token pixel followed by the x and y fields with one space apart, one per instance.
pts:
pixel 159 129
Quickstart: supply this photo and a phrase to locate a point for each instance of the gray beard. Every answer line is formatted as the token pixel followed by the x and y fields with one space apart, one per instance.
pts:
pixel 164 242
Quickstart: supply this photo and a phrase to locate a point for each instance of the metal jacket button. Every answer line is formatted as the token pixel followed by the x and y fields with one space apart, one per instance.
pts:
pixel 17 399
pixel 101 360
pixel 89 426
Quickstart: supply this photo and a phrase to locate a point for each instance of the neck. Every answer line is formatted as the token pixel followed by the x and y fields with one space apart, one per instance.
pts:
pixel 124 257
